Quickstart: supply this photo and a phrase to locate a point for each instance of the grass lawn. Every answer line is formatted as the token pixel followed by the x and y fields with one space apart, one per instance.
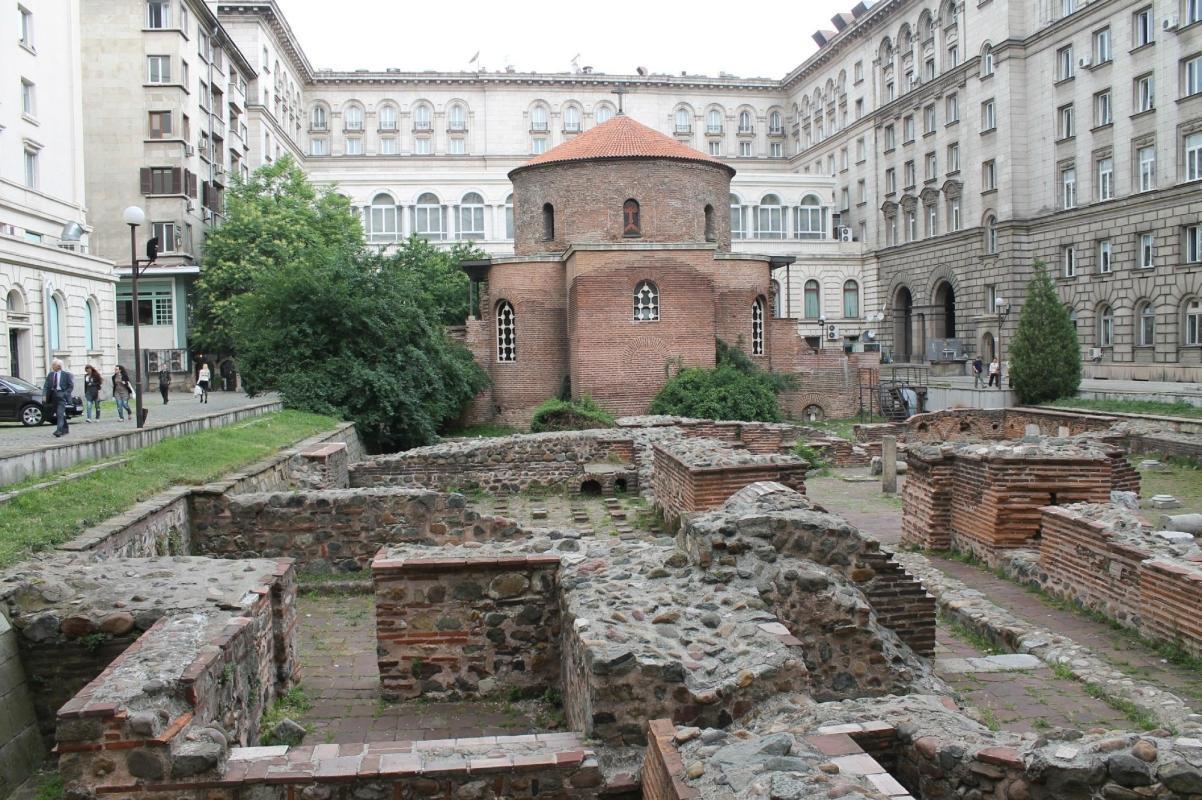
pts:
pixel 47 517
pixel 1183 481
pixel 1131 407
pixel 843 428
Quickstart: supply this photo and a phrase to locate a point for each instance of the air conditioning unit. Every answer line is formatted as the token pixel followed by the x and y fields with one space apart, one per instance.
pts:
pixel 845 234
pixel 832 332
pixel 191 205
pixel 1095 354
pixel 206 215
pixel 1169 24
pixel 1083 62
pixel 189 150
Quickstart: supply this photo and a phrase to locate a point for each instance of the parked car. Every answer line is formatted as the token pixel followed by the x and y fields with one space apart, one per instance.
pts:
pixel 21 401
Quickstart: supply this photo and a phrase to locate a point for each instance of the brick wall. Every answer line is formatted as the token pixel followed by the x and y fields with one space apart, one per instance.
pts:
pixel 1171 596
pixel 663 770
pixel 448 627
pixel 21 748
pixel 588 197
pixel 681 488
pixel 927 501
pixel 336 529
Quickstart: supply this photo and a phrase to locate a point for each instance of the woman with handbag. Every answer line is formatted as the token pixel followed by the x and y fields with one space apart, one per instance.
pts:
pixel 123 390
pixel 91 393
pixel 202 380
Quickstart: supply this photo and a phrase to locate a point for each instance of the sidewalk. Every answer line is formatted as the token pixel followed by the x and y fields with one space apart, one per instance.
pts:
pixel 25 452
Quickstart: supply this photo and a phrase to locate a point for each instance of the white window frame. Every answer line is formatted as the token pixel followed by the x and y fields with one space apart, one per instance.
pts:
pixel 383 221
pixel 163 16
pixel 471 217
pixel 770 220
pixel 1145 93
pixel 506 333
pixel 1146 167
pixel 1105 173
pixel 354 146
pixel 423 146
pixel 30 168
pixel 429 219
pixel 1103 51
pixel 757 327
pixel 1105 326
pixel 988 116
pixel 1065 68
pixel 1145 324
pixel 1068 187
pixel 1068 257
pixel 25 29
pixel 1192 160
pixel 1105 257
pixel 1193 322
pixel 1147 251
pixel 1066 118
pixel 1143 27
pixel 646 302
pixel 1191 247
pixel 1192 77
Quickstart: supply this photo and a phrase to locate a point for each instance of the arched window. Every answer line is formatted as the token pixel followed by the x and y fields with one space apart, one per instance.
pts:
pixel 646 302
pixel 387 117
pixel 711 233
pixel 507 330
pixel 604 113
pixel 353 117
pixel 90 323
pixel 631 220
pixel 1193 321
pixel 423 117
pixel 457 117
pixel 54 322
pixel 745 122
pixel 538 118
pixel 1146 314
pixel 548 222
pixel 571 119
pixel 851 300
pixel 810 218
pixel 771 218
pixel 986 61
pixel 471 216
pixel 713 121
pixel 1105 326
pixel 382 220
pixel 757 327
pixel 813 300
pixel 428 221
pixel 776 299
pixel 737 230
pixel 991 234
pixel 14 303
pixel 774 123
pixel 509 217
pixel 684 121
pixel 319 118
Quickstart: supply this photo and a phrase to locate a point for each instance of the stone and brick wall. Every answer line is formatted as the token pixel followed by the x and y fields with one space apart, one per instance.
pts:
pixel 452 625
pixel 21 747
pixel 692 475
pixel 663 769
pixel 503 465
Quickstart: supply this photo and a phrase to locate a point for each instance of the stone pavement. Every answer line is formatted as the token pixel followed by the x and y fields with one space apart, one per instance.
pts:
pixel 337 652
pixel 1134 390
pixel 860 502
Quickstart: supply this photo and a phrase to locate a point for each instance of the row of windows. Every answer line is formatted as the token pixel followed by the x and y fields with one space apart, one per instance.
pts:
pixel 646 309
pixel 388 117
pixel 1105 259
pixel 1145 318
pixel 1143 169
pixel 57 312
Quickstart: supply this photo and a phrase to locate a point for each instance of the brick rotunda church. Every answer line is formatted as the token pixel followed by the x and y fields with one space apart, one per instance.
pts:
pixel 622 275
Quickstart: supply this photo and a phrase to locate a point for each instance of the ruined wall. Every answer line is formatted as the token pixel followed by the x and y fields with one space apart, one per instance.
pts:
pixel 334 530
pixel 505 465
pixel 21 747
pixel 663 769
pixel 159 526
pixel 466 627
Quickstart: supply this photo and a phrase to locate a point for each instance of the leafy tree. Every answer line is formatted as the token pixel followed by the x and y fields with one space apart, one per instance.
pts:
pixel 1045 359
pixel 276 220
pixel 737 388
pixel 353 336
pixel 443 285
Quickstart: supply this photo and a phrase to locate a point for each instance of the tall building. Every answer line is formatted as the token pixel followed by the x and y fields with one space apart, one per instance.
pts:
pixel 915 167
pixel 58 296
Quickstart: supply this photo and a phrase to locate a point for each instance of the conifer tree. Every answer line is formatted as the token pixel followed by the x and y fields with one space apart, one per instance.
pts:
pixel 1045 359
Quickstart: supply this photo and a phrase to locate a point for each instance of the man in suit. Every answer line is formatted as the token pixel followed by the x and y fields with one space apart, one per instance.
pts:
pixel 57 390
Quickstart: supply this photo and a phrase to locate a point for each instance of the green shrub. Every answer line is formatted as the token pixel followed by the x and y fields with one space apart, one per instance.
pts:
pixel 577 415
pixel 809 455
pixel 724 392
pixel 1045 357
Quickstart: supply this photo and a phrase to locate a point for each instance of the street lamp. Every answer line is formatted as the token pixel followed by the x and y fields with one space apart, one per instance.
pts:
pixel 821 331
pixel 133 217
pixel 1003 311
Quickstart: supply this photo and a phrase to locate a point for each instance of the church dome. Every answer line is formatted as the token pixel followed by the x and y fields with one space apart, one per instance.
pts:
pixel 620 137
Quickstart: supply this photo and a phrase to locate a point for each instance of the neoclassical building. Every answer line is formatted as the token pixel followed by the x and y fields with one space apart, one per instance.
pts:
pixel 915 167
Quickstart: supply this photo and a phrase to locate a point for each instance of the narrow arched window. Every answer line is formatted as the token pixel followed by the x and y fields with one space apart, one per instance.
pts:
pixel 646 302
pixel 776 299
pixel 457 118
pixel 771 218
pixel 471 216
pixel 851 300
pixel 1193 322
pixel 382 220
pixel 711 233
pixel 353 117
pixel 991 234
pixel 1105 326
pixel 89 325
pixel 548 222
pixel 54 323
pixel 810 222
pixel 774 123
pixel 744 122
pixel 509 217
pixel 684 121
pixel 538 118
pixel 632 225
pixel 737 230
pixel 571 119
pixel 1147 324
pixel 428 221
pixel 319 118
pixel 813 300
pixel 713 122
pixel 422 118
pixel 388 118
pixel 757 327
pixel 603 114
pixel 507 340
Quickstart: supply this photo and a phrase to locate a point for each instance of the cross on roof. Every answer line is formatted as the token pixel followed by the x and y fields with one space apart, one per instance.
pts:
pixel 620 92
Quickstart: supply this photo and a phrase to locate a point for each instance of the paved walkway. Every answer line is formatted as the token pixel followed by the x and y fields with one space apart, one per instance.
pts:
pixel 16 439
pixel 1192 392
pixel 860 502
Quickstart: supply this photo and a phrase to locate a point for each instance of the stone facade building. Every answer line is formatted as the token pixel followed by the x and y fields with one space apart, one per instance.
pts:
pixel 58 296
pixel 915 167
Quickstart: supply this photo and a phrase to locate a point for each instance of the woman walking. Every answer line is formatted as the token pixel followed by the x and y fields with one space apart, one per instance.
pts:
pixel 202 380
pixel 91 392
pixel 122 391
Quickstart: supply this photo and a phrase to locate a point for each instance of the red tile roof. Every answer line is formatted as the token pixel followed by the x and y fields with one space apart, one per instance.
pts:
pixel 621 137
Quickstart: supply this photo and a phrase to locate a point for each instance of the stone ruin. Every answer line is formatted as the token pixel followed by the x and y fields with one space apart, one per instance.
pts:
pixel 765 648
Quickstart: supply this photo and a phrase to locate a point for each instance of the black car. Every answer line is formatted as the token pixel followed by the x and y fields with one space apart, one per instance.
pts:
pixel 21 401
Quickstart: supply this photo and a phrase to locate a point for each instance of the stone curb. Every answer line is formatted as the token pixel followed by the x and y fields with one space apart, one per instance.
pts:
pixel 973 610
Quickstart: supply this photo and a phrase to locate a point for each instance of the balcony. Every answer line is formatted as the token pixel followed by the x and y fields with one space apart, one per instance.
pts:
pixel 422 126
pixel 538 127
pixel 388 126
pixel 713 130
pixel 683 130
pixel 457 126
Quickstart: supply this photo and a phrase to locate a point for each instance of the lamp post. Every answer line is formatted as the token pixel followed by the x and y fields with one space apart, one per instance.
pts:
pixel 1003 311
pixel 821 330
pixel 133 217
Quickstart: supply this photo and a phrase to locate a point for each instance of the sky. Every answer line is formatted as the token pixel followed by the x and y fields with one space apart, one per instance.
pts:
pixel 665 36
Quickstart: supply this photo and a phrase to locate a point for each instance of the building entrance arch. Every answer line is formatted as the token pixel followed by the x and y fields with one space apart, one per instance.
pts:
pixel 903 324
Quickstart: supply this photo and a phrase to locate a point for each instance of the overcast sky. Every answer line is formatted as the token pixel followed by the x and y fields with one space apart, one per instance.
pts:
pixel 745 39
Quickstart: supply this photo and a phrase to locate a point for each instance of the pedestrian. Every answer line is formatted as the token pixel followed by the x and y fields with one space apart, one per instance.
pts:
pixel 91 392
pixel 164 381
pixel 122 391
pixel 995 373
pixel 57 390
pixel 977 369
pixel 202 381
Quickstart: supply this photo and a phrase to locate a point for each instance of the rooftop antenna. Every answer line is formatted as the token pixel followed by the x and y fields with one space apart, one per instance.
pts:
pixel 621 93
